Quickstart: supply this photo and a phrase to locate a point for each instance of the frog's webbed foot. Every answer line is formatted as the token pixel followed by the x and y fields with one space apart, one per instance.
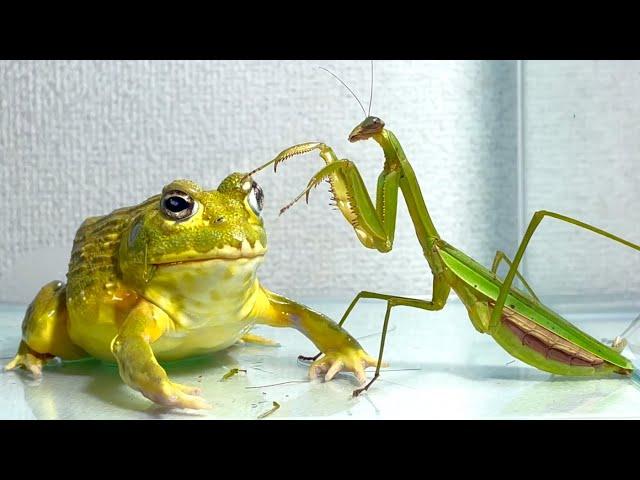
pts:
pixel 331 363
pixel 29 359
pixel 258 340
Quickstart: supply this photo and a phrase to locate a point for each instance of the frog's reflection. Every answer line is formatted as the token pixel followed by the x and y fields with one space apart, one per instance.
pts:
pixel 91 389
pixel 53 396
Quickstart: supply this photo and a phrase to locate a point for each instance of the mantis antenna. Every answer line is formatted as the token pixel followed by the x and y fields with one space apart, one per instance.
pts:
pixel 350 91
pixel 371 94
pixel 346 86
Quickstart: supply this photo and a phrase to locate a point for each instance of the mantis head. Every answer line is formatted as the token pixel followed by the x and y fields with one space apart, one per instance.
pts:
pixel 368 128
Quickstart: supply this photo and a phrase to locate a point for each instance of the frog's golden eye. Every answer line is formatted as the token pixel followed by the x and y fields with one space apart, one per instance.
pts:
pixel 256 198
pixel 178 205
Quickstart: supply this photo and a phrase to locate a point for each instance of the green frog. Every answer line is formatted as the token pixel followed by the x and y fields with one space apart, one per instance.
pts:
pixel 171 278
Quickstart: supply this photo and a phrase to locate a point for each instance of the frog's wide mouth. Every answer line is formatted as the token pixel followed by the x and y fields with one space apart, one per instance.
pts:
pixel 228 253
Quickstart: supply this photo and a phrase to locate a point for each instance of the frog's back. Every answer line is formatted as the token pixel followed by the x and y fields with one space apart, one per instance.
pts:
pixel 94 256
pixel 97 298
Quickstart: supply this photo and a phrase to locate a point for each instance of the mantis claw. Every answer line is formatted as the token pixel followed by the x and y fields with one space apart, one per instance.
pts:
pixel 293 151
pixel 329 173
pixel 288 153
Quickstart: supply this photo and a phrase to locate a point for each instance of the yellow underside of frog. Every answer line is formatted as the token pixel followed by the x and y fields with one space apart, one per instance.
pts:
pixel 171 278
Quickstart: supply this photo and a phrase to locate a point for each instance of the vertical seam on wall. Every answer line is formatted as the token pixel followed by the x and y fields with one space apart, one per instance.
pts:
pixel 520 162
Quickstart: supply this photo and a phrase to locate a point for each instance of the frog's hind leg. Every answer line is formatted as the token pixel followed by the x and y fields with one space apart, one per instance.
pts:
pixel 44 331
pixel 258 340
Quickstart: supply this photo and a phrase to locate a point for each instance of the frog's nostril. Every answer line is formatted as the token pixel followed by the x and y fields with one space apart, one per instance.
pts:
pixel 219 220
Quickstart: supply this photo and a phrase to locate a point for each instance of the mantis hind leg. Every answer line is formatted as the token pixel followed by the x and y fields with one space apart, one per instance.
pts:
pixel 533 225
pixel 502 257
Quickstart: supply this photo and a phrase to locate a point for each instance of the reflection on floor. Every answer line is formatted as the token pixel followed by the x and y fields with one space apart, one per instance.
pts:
pixel 440 367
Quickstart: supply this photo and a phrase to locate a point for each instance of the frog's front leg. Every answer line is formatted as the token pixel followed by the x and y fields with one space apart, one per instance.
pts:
pixel 341 350
pixel 138 366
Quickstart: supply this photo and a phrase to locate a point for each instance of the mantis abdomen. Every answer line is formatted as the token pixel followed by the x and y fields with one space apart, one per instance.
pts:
pixel 543 349
pixel 527 329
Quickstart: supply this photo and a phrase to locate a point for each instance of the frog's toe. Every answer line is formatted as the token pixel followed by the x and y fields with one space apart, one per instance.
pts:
pixel 258 340
pixel 187 389
pixel 358 371
pixel 191 401
pixel 33 362
pixel 331 364
pixel 178 396
pixel 13 364
pixel 317 369
pixel 333 370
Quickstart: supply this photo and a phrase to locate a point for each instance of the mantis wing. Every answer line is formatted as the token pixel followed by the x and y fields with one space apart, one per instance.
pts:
pixel 485 282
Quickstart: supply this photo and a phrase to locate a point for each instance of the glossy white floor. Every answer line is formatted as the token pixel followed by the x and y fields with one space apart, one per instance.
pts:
pixel 439 368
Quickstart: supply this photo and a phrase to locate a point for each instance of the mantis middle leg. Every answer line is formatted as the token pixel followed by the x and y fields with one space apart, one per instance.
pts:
pixel 439 298
pixel 533 225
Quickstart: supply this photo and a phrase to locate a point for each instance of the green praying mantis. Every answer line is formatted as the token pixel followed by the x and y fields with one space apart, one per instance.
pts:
pixel 517 320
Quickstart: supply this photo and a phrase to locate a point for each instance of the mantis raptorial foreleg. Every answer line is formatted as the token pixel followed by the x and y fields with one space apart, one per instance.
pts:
pixel 502 257
pixel 533 225
pixel 374 226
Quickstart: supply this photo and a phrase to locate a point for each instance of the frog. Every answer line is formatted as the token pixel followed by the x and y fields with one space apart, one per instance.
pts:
pixel 172 278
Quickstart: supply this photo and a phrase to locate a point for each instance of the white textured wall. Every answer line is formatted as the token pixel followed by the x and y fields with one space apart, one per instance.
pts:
pixel 81 138
pixel 581 128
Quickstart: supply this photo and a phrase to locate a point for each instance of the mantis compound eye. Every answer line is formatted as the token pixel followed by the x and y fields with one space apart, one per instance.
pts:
pixel 256 198
pixel 178 205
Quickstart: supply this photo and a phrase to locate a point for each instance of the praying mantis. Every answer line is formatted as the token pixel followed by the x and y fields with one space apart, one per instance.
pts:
pixel 516 319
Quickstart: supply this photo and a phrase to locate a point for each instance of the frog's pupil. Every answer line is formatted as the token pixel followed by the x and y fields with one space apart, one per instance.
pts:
pixel 176 204
pixel 257 190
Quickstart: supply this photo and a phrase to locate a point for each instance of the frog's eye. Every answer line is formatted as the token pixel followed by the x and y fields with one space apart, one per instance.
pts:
pixel 178 205
pixel 256 198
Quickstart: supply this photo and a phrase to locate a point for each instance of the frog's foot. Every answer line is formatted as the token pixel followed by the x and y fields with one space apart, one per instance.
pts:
pixel 29 360
pixel 175 395
pixel 258 340
pixel 331 363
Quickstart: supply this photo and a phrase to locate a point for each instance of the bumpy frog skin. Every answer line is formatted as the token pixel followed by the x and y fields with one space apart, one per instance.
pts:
pixel 171 278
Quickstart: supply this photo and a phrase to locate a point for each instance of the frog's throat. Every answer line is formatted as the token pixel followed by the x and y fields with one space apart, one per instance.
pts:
pixel 227 252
